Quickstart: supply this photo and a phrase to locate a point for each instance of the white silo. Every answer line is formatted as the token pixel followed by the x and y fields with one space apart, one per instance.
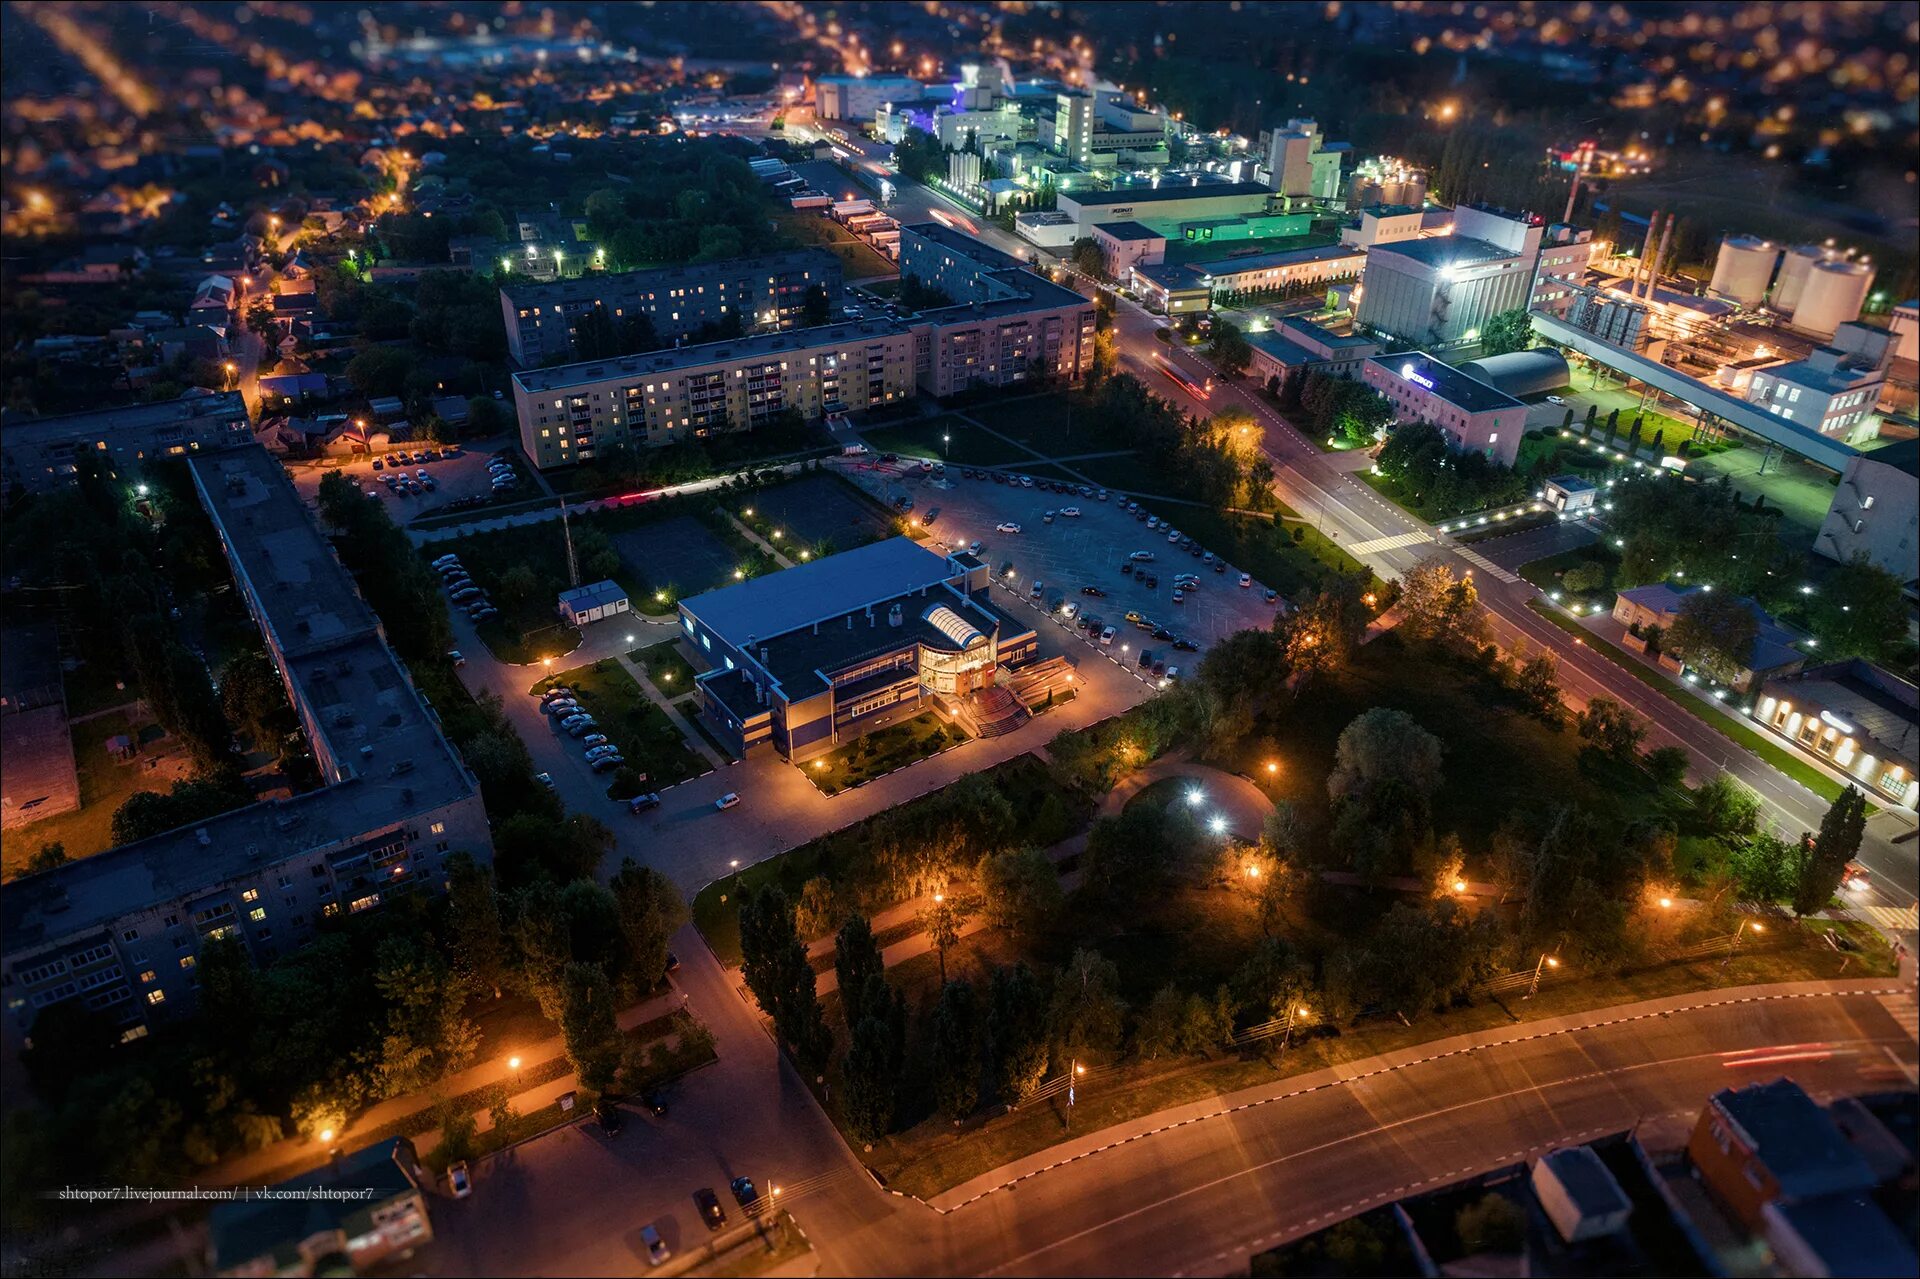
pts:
pixel 1744 269
pixel 1794 269
pixel 1834 293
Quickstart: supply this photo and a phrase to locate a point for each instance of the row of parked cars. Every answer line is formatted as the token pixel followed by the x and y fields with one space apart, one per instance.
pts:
pixel 501 473
pixel 564 709
pixel 403 458
pixel 712 1214
pixel 461 589
pixel 1044 485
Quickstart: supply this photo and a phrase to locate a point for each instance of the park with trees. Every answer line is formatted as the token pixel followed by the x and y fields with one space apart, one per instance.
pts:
pixel 1439 825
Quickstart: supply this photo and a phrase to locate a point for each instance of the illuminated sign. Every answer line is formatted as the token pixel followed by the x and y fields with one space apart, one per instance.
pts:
pixel 1836 721
pixel 1408 372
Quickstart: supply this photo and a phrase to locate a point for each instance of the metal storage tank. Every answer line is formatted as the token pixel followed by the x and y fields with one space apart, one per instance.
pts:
pixel 1744 269
pixel 1834 293
pixel 1794 269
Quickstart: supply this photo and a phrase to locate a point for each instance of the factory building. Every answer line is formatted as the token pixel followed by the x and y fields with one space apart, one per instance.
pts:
pixel 1189 201
pixel 1876 511
pixel 1743 270
pixel 1301 164
pixel 1441 292
pixel 1473 415
pixel 807 659
pixel 858 98
pixel 1520 373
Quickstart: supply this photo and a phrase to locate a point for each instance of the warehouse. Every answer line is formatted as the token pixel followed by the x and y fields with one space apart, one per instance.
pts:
pixel 1164 204
pixel 1521 373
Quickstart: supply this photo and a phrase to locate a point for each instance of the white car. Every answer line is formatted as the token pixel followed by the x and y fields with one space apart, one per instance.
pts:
pixel 1070 610
pixel 1071 512
pixel 973 548
pixel 1141 557
pixel 1173 536
pixel 1106 636
pixel 454 656
pixel 1153 521
pixel 726 801
pixel 595 752
pixel 592 740
pixel 1026 481
pixel 545 779
pixel 1006 526
pixel 444 560
pixel 1246 580
pixel 1555 399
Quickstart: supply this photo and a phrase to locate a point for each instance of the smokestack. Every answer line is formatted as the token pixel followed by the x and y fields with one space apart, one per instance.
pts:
pixel 1660 259
pixel 1646 251
pixel 1572 191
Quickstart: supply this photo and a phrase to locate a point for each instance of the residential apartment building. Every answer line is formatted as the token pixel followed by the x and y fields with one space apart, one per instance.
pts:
pixel 46 452
pixel 1009 326
pixel 1441 292
pixel 124 929
pixel 1473 415
pixel 763 293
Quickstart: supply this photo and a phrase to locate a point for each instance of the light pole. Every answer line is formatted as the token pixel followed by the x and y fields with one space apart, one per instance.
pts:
pixel 1546 961
pixel 1073 1072
pixel 1732 949
pixel 1293 1010
pixel 230 367
pixel 945 439
pixel 513 1064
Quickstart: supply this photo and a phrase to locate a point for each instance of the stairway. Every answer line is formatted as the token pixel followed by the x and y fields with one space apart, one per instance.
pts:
pixel 995 711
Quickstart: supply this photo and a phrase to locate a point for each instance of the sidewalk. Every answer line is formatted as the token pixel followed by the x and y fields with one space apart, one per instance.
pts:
pixel 295 1153
pixel 1353 1071
pixel 688 733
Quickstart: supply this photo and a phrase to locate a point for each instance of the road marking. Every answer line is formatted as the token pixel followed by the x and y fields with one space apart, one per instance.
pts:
pixel 1480 561
pixel 1389 543
pixel 1892 919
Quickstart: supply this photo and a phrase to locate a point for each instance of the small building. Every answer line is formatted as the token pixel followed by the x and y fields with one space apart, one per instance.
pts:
pixel 358 1214
pixel 1172 288
pixel 1474 415
pixel 1643 608
pixel 387 407
pixel 1125 245
pixel 1275 355
pixel 593 603
pixel 1855 716
pixel 1579 1196
pixel 1572 496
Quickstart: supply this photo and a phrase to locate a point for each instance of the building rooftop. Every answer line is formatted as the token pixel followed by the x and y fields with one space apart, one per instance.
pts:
pixel 593 593
pixel 761 609
pixel 982 254
pixel 1902 455
pixel 1584 1176
pixel 590 288
pixel 1446 250
pixel 1773 644
pixel 1172 276
pixel 1326 336
pixel 1873 701
pixel 939 616
pixel 1160 194
pixel 257 1227
pixel 1276 345
pixel 392 759
pixel 1443 380
pixel 1849 1233
pixel 1129 231
pixel 192 407
pixel 1796 1141
pixel 1827 370
pixel 1571 483
pixel 587 371
pixel 1268 261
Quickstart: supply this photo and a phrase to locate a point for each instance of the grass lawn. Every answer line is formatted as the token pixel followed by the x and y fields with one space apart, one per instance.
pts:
pixel 105 784
pixel 671 673
pixel 1127 473
pixel 881 751
pixel 1545 573
pixel 493 509
pixel 1056 424
pixel 858 259
pixel 1049 810
pixel 966 444
pixel 1265 548
pixel 92 687
pixel 1497 527
pixel 1735 731
pixel 525 630
pixel 642 731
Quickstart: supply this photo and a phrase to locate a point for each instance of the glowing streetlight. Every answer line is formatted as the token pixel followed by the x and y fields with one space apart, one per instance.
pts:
pixel 1272 768
pixel 141 489
pixel 326 1135
pixel 629 639
pixel 1217 824
pixel 1459 885
pixel 1196 797
pixel 738 574
pixel 1666 903
pixel 1253 871
pixel 513 1063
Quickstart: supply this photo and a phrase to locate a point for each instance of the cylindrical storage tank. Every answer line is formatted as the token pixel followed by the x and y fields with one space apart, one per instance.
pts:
pixel 1834 293
pixel 1794 269
pixel 1744 269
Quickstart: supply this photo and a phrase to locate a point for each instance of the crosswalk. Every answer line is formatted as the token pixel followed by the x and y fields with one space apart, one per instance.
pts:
pixel 1393 543
pixel 1486 565
pixel 1903 1009
pixel 1891 919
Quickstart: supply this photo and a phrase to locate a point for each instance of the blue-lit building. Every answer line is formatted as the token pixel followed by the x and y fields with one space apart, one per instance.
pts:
pixel 813 656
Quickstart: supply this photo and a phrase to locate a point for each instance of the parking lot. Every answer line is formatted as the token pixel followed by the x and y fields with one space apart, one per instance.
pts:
pixel 1077 552
pixel 461 478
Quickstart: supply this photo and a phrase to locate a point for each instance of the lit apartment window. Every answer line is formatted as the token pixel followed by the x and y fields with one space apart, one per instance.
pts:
pixel 250 895
pixel 187 962
pixel 156 997
pixel 438 828
pixel 149 977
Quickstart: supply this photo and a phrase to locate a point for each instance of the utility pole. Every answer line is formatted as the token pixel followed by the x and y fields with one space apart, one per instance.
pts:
pixel 566 530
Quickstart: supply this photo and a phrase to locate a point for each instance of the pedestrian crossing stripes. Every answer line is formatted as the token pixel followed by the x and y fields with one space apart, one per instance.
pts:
pixel 1393 543
pixel 1486 565
pixel 1891 919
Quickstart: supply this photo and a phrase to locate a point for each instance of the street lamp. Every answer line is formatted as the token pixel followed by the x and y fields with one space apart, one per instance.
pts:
pixel 1217 824
pixel 1272 768
pixel 1459 885
pixel 1734 948
pixel 945 439
pixel 1196 797
pixel 230 372
pixel 1073 1073
pixel 1546 961
pixel 326 1135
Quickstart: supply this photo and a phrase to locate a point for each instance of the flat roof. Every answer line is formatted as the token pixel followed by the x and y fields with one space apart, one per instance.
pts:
pixel 1795 1140
pixel 1446 250
pixel 589 288
pixel 765 608
pixel 1278 346
pixel 193 407
pixel 359 695
pixel 1172 276
pixel 1128 231
pixel 587 371
pixel 1269 261
pixel 594 593
pixel 1902 455
pixel 974 250
pixel 1831 380
pixel 1162 194
pixel 1321 333
pixel 800 661
pixel 1877 703
pixel 1448 383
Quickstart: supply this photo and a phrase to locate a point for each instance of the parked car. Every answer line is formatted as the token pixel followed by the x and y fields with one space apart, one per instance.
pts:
pixel 604 748
pixel 1146 657
pixel 711 1212
pixel 1100 495
pixel 1006 526
pixel 1186 646
pixel 1270 595
pixel 562 707
pixel 657 1250
pixel 454 656
pixel 1152 582
pixel 1026 481
pixel 606 763
pixel 608 1116
pixel 1094 591
pixel 448 558
pixel 744 1193
pixel 545 779
pixel 592 740
pixel 459 1179
pixel 641 803
pixel 1556 399
pixel 378 465
pixel 1142 557
pixel 654 1101
pixel 1071 512
pixel 1069 610
pixel 1106 636
pixel 1035 591
pixel 1162 633
pixel 726 801
pixel 1246 580
pixel 1179 597
pixel 461 594
pixel 1047 518
pixel 578 719
pixel 1153 521
pixel 483 614
pixel 579 730
pixel 973 548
